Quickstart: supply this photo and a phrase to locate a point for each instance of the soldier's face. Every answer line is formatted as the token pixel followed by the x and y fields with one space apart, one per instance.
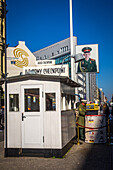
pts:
pixel 87 56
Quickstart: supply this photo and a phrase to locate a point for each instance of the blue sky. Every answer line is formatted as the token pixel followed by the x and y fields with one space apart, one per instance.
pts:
pixel 41 23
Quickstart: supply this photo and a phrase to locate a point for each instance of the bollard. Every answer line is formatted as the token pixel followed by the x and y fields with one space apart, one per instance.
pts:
pixel 78 143
pixel 109 130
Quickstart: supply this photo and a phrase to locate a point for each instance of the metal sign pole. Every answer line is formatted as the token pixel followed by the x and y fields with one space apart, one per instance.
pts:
pixel 87 86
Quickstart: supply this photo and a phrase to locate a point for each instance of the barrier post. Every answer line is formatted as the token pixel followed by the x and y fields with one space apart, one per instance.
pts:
pixel 78 143
pixel 109 130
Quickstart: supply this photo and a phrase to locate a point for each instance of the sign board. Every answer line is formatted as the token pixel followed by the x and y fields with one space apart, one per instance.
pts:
pixel 45 62
pixel 91 61
pixel 58 70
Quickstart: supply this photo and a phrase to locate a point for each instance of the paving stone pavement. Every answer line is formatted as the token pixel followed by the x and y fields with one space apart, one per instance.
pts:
pixel 79 157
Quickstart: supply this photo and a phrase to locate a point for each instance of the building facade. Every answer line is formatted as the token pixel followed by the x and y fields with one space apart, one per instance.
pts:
pixel 101 95
pixel 2 45
pixel 61 52
pixel 19 57
pixel 2 36
pixel 92 86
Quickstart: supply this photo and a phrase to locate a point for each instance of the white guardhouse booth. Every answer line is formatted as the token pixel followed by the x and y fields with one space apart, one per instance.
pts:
pixel 40 116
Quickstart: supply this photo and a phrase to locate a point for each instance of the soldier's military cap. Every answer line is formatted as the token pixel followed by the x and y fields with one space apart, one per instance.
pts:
pixel 86 49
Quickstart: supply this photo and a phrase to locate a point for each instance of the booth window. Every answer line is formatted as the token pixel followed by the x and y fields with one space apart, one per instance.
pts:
pixel 14 102
pixel 67 101
pixel 72 101
pixel 32 100
pixel 50 101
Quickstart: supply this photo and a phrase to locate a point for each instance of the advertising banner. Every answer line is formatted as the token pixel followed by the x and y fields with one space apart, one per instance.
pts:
pixel 96 135
pixel 91 61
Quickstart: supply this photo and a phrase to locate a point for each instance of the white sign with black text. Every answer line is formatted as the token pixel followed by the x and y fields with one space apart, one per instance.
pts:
pixel 45 62
pixel 48 70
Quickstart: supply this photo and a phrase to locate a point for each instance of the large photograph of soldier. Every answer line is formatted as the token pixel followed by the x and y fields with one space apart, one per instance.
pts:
pixel 90 62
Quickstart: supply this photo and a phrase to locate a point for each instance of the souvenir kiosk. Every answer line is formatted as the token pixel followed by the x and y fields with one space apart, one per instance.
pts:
pixel 40 116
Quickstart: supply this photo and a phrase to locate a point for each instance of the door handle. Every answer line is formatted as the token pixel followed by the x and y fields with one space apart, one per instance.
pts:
pixel 23 116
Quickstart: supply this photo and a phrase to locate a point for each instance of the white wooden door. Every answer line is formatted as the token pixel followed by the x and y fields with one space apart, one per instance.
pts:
pixel 32 116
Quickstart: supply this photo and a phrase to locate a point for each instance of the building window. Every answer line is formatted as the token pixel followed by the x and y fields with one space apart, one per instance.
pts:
pixel 72 101
pixel 66 48
pixel 13 62
pixel 14 102
pixel 63 49
pixel 37 58
pixel 44 57
pixel 52 54
pixel 50 101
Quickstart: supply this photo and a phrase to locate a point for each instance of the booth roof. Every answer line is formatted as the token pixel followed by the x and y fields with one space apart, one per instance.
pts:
pixel 62 79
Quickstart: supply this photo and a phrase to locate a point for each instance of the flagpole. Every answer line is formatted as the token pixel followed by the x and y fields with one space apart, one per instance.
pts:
pixel 71 42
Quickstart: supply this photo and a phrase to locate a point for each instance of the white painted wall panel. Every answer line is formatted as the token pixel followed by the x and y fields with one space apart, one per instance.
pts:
pixel 52 119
